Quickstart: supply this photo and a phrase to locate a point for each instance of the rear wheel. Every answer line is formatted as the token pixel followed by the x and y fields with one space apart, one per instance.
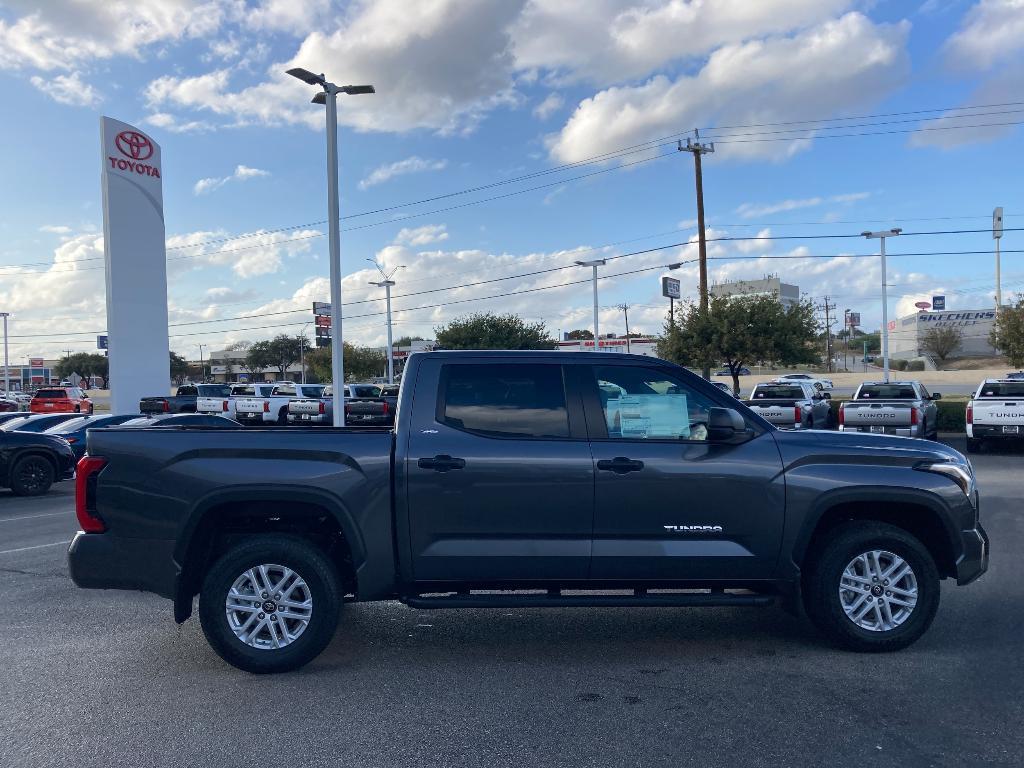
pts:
pixel 282 417
pixel 32 476
pixel 871 587
pixel 270 604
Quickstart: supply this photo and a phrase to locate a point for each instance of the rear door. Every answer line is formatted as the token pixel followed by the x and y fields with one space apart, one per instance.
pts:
pixel 499 474
pixel 668 504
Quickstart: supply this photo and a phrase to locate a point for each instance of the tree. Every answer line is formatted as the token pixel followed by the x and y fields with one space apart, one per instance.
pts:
pixel 359 362
pixel 739 330
pixel 1007 334
pixel 490 331
pixel 942 342
pixel 580 334
pixel 84 365
pixel 179 367
pixel 283 352
pixel 257 358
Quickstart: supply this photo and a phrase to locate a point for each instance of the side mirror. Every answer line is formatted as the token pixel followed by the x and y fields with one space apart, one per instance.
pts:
pixel 724 424
pixel 826 396
pixel 936 396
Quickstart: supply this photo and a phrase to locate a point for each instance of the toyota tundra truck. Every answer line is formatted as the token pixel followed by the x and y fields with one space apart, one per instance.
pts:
pixel 792 405
pixel 995 413
pixel 225 406
pixel 272 408
pixel 527 479
pixel 902 408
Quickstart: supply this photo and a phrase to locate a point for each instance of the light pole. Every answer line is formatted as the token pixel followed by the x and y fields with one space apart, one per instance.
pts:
pixel 7 373
pixel 594 264
pixel 386 284
pixel 846 327
pixel 997 234
pixel 202 365
pixel 329 97
pixel 302 352
pixel 880 236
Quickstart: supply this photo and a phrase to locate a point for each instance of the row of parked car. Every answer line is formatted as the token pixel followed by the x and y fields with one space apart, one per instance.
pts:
pixel 280 403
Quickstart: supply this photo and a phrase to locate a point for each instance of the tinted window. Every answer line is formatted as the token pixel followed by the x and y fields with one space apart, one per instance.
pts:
pixel 505 400
pixel 650 403
pixel 364 390
pixel 886 392
pixel 243 391
pixel 51 394
pixel 284 391
pixel 1003 389
pixel 779 393
pixel 215 390
pixel 186 391
pixel 312 391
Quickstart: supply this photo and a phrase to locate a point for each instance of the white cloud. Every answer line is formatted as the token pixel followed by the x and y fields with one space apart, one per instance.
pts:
pixel 171 123
pixel 242 173
pixel 760 242
pixel 262 253
pixel 439 65
pixel 64 34
pixel 55 229
pixel 551 104
pixel 68 89
pixel 295 16
pixel 431 233
pixel 412 164
pixel 822 70
pixel 753 210
pixel 992 31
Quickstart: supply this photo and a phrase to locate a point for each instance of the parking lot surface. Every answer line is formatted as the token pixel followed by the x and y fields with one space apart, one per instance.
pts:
pixel 95 678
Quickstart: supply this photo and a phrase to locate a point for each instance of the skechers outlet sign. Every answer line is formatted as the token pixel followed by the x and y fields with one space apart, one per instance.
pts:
pixel 956 319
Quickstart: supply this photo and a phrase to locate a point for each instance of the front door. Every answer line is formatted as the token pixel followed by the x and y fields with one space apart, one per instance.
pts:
pixel 500 481
pixel 669 504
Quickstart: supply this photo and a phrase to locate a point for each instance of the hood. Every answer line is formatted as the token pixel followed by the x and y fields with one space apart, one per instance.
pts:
pixel 908 449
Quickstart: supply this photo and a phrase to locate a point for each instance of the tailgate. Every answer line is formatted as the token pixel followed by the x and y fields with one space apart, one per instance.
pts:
pixel 877 414
pixel 304 406
pixel 781 412
pixel 999 412
pixel 213 405
pixel 154 405
pixel 249 405
pixel 365 407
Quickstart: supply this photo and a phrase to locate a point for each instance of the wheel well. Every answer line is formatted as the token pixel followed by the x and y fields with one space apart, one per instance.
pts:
pixel 917 520
pixel 41 454
pixel 221 527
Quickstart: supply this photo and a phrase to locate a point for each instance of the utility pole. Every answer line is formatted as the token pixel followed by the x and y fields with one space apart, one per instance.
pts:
pixel 828 332
pixel 625 311
pixel 7 370
pixel 594 264
pixel 696 148
pixel 997 235
pixel 885 296
pixel 202 364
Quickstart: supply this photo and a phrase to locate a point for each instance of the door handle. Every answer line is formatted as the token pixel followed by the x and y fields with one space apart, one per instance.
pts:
pixel 441 463
pixel 620 465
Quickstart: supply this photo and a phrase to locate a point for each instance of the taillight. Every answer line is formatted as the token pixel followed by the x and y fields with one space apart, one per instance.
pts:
pixel 913 417
pixel 385 407
pixel 266 406
pixel 323 408
pixel 970 413
pixel 224 405
pixel 798 415
pixel 842 417
pixel 348 408
pixel 85 493
pixel 167 407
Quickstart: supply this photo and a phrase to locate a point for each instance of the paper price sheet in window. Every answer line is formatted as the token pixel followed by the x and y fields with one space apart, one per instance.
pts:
pixel 648 416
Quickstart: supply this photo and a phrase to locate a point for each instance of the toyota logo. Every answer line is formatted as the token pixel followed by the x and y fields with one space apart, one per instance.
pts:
pixel 134 145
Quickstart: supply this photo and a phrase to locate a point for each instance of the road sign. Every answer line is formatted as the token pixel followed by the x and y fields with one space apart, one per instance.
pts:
pixel 101 342
pixel 35 362
pixel 938 303
pixel 670 288
pixel 321 308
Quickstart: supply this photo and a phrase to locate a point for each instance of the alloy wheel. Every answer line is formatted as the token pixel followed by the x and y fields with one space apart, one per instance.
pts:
pixel 878 590
pixel 269 606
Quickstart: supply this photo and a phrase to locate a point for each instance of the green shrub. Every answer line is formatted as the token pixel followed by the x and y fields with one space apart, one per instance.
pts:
pixel 952 416
pixel 914 365
pixel 898 365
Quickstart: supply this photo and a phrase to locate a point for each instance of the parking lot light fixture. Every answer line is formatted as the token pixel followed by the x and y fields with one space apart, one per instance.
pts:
pixel 386 284
pixel 880 236
pixel 7 370
pixel 329 97
pixel 595 263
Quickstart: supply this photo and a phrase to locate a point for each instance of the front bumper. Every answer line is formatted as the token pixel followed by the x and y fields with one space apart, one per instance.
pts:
pixel 104 561
pixel 974 560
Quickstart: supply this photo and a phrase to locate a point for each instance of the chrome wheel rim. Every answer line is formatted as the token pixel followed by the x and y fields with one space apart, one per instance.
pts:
pixel 269 606
pixel 878 590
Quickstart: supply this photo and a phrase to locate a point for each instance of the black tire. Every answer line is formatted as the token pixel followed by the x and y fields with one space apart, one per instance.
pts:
pixel 830 420
pixel 32 476
pixel 282 417
pixel 78 409
pixel 824 570
pixel 295 553
pixel 974 445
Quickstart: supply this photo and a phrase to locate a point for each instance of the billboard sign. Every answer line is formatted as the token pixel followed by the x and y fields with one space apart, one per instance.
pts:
pixel 321 308
pixel 670 288
pixel 939 303
pixel 923 305
pixel 101 342
pixel 37 362
pixel 854 319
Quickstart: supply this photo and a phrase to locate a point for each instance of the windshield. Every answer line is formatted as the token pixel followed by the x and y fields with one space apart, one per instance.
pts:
pixel 778 393
pixel 886 392
pixel 1002 389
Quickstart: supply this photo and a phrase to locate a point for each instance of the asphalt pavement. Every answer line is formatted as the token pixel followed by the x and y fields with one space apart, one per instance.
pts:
pixel 92 678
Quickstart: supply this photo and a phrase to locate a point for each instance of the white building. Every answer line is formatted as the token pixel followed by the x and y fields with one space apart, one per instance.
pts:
pixel 906 334
pixel 635 346
pixel 788 295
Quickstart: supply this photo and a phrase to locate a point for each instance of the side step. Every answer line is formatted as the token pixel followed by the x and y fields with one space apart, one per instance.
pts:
pixel 555 599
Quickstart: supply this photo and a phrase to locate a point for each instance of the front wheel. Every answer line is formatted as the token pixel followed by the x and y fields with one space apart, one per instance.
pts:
pixel 871 587
pixel 270 604
pixel 32 476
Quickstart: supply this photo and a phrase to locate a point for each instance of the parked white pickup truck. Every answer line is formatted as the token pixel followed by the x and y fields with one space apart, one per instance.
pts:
pixel 896 408
pixel 996 412
pixel 225 406
pixel 273 408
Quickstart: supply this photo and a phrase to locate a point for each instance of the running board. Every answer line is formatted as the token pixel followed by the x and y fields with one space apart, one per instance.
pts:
pixel 558 600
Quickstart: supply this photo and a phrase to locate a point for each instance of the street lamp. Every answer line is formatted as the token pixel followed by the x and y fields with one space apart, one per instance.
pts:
pixel 202 365
pixel 7 373
pixel 386 284
pixel 880 236
pixel 594 264
pixel 302 352
pixel 328 96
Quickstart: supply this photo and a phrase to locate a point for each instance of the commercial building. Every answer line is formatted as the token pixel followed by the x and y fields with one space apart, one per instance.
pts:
pixel 788 295
pixel 635 346
pixel 906 334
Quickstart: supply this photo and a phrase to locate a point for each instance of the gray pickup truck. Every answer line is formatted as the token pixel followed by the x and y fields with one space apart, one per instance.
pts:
pixel 792 405
pixel 902 408
pixel 515 479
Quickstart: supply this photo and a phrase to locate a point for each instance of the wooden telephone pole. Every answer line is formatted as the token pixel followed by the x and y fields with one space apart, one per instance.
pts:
pixel 696 148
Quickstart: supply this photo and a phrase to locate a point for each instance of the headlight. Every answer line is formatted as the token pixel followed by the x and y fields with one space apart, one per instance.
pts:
pixel 960 472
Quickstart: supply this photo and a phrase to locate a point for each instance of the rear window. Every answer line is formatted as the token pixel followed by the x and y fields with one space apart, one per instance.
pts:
pixel 364 390
pixel 505 400
pixel 214 390
pixel 286 390
pixel 51 394
pixel 779 393
pixel 886 392
pixel 186 391
pixel 1003 389
pixel 243 391
pixel 312 391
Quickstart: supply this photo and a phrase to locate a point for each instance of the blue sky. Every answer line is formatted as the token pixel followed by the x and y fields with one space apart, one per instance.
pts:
pixel 476 92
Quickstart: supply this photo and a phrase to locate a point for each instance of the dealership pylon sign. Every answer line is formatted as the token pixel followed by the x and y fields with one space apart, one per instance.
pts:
pixel 135 255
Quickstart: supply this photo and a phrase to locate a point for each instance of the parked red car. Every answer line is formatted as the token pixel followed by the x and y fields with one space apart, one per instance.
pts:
pixel 60 400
